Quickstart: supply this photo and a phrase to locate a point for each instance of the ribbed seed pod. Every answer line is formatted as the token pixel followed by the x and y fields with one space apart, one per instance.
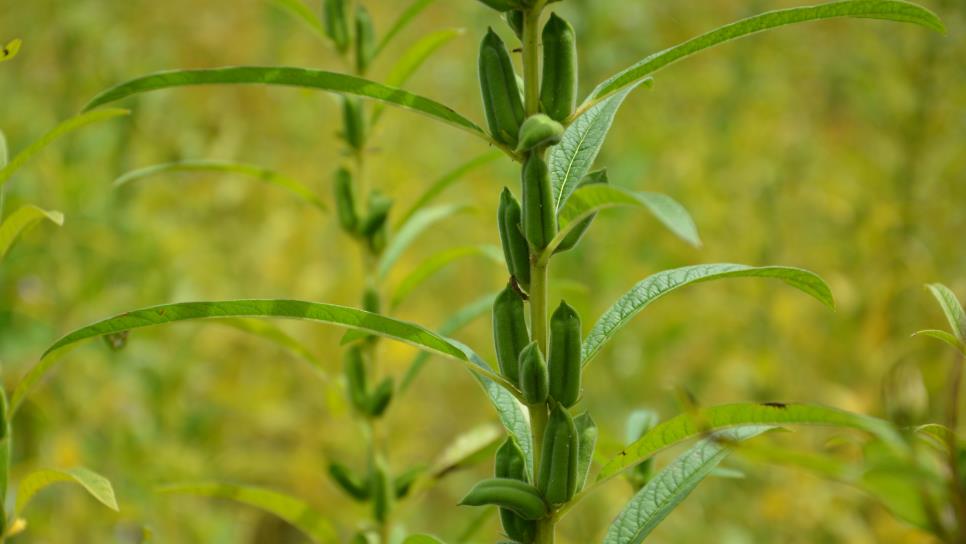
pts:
pixel 537 131
pixel 353 485
pixel 380 397
pixel 378 214
pixel 521 497
pixel 336 20
pixel 345 203
pixel 511 463
pixel 501 95
pixel 355 378
pixel 365 39
pixel 516 252
pixel 380 489
pixel 533 375
pixel 564 356
pixel 510 334
pixel 558 92
pixel 557 480
pixel 578 231
pixel 539 222
pixel 354 121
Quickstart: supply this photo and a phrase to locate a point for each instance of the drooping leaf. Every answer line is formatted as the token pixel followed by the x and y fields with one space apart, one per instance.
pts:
pixel 870 9
pixel 662 283
pixel 953 310
pixel 227 167
pixel 687 426
pixel 10 50
pixel 297 513
pixel 289 77
pixel 945 337
pixel 438 262
pixel 95 484
pixel 445 182
pixel 300 11
pixel 467 449
pixel 656 500
pixel 411 230
pixel 21 221
pixel 66 127
pixel 404 19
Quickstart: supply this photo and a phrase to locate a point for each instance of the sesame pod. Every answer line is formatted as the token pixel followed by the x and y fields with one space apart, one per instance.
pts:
pixel 403 483
pixel 355 378
pixel 533 375
pixel 520 497
pixel 558 91
pixel 511 463
pixel 380 490
pixel 378 214
pixel 501 95
pixel 380 398
pixel 354 122
pixel 345 203
pixel 577 233
pixel 336 21
pixel 539 130
pixel 564 356
pixel 557 480
pixel 353 485
pixel 516 252
pixel 365 39
pixel 510 334
pixel 539 223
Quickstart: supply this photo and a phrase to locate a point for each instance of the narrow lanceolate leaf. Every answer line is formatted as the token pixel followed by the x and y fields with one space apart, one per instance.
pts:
pixel 66 127
pixel 21 221
pixel 10 50
pixel 422 539
pixel 467 449
pixel 226 167
pixel 95 484
pixel 443 183
pixel 288 77
pixel 716 418
pixel 416 225
pixel 953 310
pixel 294 511
pixel 652 504
pixel 438 262
pixel 891 10
pixel 945 337
pixel 404 19
pixel 662 283
pixel 573 157
pixel 298 9
pixel 591 199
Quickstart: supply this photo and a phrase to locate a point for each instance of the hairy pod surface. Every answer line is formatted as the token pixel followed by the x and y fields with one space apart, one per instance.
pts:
pixel 577 232
pixel 345 203
pixel 353 485
pixel 516 251
pixel 520 497
pixel 378 214
pixel 564 356
pixel 533 375
pixel 557 480
pixel 354 368
pixel 381 490
pixel 336 21
pixel 511 463
pixel 537 131
pixel 380 398
pixel 539 221
pixel 510 334
pixel 354 122
pixel 365 39
pixel 558 92
pixel 501 94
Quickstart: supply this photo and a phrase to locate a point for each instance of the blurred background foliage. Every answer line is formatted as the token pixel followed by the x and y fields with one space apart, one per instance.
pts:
pixel 838 146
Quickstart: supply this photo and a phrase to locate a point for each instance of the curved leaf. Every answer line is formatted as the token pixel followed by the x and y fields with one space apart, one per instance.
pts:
pixel 716 418
pixel 652 504
pixel 422 539
pixel 662 283
pixel 95 484
pixel 10 50
pixel 416 225
pixel 444 182
pixel 290 77
pixel 892 10
pixel 404 19
pixel 22 220
pixel 297 513
pixel 436 263
pixel 953 310
pixel 227 167
pixel 297 9
pixel 466 449
pixel 945 337
pixel 66 127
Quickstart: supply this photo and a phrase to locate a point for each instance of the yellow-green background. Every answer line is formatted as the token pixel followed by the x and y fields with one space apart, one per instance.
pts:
pixel 837 146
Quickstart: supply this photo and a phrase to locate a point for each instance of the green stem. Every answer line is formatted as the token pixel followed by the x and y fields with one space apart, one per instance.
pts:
pixel 531 59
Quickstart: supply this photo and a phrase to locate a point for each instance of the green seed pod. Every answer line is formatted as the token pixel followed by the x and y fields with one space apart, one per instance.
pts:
pixel 539 223
pixel 564 356
pixel 558 462
pixel 520 497
pixel 349 482
pixel 558 92
pixel 511 463
pixel 533 375
pixel 379 206
pixel 380 490
pixel 514 19
pixel 345 203
pixel 510 334
pixel 354 121
pixel 355 378
pixel 336 20
pixel 380 398
pixel 365 39
pixel 516 251
pixel 501 95
pixel 403 483
pixel 577 233
pixel 537 131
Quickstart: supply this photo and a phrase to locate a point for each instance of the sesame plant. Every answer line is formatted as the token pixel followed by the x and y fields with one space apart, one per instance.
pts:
pixel 542 350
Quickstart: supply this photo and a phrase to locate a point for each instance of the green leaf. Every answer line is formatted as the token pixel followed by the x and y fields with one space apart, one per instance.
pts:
pixel 943 336
pixel 444 183
pixel 662 283
pixel 404 19
pixel 436 263
pixel 952 309
pixel 3 150
pixel 95 484
pixel 254 172
pixel 590 199
pixel 300 11
pixel 587 443
pixel 574 156
pixel 687 426
pixel 66 127
pixel 656 500
pixel 297 513
pixel 467 449
pixel 422 539
pixel 870 9
pixel 290 77
pixel 411 230
pixel 10 50
pixel 21 221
